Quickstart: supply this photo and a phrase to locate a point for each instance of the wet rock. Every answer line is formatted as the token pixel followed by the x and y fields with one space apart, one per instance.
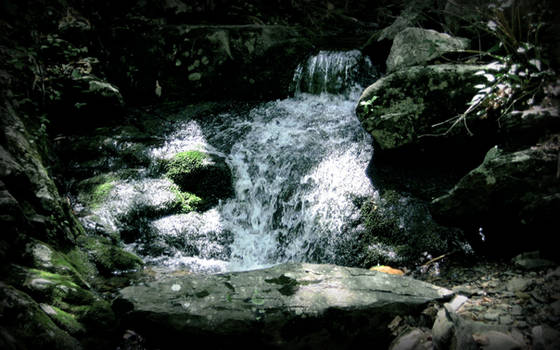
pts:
pixel 418 46
pixel 205 175
pixel 290 305
pixel 454 331
pixel 30 200
pixel 491 315
pixel 457 302
pixel 73 263
pixel 108 256
pixel 467 290
pixel 415 339
pixel 443 328
pixel 545 338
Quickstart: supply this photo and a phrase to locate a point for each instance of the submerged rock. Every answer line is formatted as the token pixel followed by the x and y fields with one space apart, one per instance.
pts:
pixel 286 306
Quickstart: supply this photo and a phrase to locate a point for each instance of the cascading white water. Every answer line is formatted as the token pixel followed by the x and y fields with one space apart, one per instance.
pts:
pixel 299 168
pixel 297 172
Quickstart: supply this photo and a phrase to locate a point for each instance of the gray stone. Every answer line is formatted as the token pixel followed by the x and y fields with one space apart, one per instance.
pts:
pixel 518 284
pixel 289 305
pixel 492 315
pixel 516 310
pixel 545 338
pixel 494 340
pixel 418 46
pixel 466 290
pixel 506 320
pixel 457 302
pixel 414 339
pixel 442 330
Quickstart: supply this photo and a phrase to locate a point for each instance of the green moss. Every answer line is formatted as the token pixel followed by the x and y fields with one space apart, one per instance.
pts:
pixel 108 257
pixel 201 179
pixel 95 190
pixel 66 321
pixel 184 164
pixel 54 289
pixel 101 192
pixel 187 201
pixel 78 260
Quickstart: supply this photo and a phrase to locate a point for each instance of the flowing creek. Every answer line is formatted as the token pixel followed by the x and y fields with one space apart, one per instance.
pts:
pixel 299 169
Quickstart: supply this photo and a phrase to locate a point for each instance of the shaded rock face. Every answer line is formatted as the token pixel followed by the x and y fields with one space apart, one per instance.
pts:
pixel 510 195
pixel 26 325
pixel 290 306
pixel 31 204
pixel 415 46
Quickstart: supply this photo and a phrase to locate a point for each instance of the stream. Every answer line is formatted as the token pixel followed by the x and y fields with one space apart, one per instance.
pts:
pixel 299 171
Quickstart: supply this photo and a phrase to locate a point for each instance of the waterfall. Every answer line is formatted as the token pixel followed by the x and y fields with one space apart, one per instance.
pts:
pixel 299 174
pixel 333 72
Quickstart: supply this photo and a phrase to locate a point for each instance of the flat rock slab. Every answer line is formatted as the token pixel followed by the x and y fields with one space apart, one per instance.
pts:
pixel 291 306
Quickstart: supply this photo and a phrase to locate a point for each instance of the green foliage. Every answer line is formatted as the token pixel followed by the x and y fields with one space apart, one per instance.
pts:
pixel 520 71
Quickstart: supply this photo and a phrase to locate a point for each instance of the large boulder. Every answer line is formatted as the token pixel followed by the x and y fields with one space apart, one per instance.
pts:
pixel 405 108
pixel 511 197
pixel 288 306
pixel 416 46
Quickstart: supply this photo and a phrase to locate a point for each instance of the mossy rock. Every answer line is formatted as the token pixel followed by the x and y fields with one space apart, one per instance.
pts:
pixel 93 191
pixel 54 289
pixel 64 320
pixel 202 174
pixel 108 256
pixel 26 326
pixel 404 108
pixel 73 263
